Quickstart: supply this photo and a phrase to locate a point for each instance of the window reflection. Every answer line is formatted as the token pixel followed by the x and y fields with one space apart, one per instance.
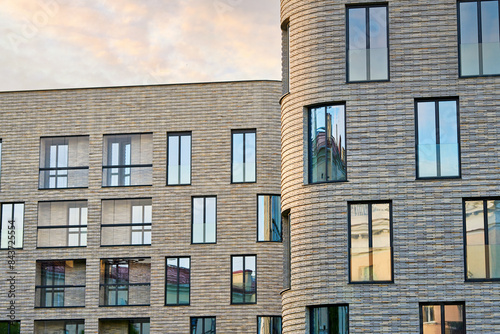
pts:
pixel 179 159
pixel 203 325
pixel 442 318
pixel 244 280
pixel 204 220
pixel 269 218
pixel 331 319
pixel 178 281
pixel 243 156
pixel 269 325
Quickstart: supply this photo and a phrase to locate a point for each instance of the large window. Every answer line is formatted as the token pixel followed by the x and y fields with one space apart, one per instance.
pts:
pixel 178 281
pixel 125 282
pixel 479 37
pixel 327 144
pixel 10 327
pixel 204 216
pixel 244 279
pixel 367 43
pixel 126 222
pixel 269 325
pixel 243 156
pixel 482 239
pixel 60 283
pixel 11 232
pixel 62 224
pixel 127 160
pixel 268 218
pixel 203 325
pixel 442 318
pixel 370 250
pixel 128 326
pixel 59 326
pixel 437 139
pixel 179 158
pixel 331 319
pixel 64 162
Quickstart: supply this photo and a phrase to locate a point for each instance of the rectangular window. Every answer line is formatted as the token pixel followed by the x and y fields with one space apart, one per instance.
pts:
pixel 482 239
pixel 437 139
pixel 127 160
pixel 10 327
pixel 125 282
pixel 59 326
pixel 287 254
pixel 370 250
pixel 60 283
pixel 268 218
pixel 330 319
pixel 64 162
pixel 479 37
pixel 269 325
pixel 11 233
pixel 327 144
pixel 203 325
pixel 442 318
pixel 178 281
pixel 129 326
pixel 179 158
pixel 285 57
pixel 126 222
pixel 367 43
pixel 243 156
pixel 204 220
pixel 62 224
pixel 244 279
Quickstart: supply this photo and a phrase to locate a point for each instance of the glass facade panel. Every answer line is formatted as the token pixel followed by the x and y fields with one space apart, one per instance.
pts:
pixel 331 319
pixel 243 156
pixel 204 220
pixel 269 218
pixel 244 279
pixel 11 232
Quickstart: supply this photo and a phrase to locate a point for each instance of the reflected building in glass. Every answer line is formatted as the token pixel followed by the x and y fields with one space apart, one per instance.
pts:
pixel 390 192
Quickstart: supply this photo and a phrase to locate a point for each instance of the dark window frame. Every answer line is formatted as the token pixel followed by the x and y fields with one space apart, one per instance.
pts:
pixel 243 256
pixel 243 131
pixel 370 239
pixel 178 284
pixel 214 319
pixel 204 219
pixel 179 135
pixel 442 305
pixel 436 115
pixel 309 142
pixel 311 313
pixel 1 217
pixel 269 316
pixel 367 6
pixel 281 220
pixel 480 39
pixel 285 56
pixel 486 238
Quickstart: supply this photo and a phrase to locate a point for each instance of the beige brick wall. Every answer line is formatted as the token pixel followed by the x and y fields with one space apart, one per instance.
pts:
pixel 210 111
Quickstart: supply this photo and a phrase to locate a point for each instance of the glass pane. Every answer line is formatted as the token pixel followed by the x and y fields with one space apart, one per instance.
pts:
pixel 262 222
pixel 185 160
pixel 491 37
pixel 210 219
pixel 137 214
pixel 173 160
pixel 381 234
pixel 379 64
pixel 448 137
pixel 454 322
pixel 148 214
pixel 378 28
pixel 431 319
pixel 184 277
pixel 276 217
pixel 237 288
pixel 198 218
pixel 238 157
pixel 427 152
pixel 474 225
pixel 335 139
pixel 62 158
pixel 494 237
pixel 250 279
pixel 318 144
pixel 357 28
pixel 172 274
pixel 469 47
pixel 357 65
pixel 360 251
pixel 249 157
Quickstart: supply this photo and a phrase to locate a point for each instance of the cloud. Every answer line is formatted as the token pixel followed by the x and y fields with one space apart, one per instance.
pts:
pixel 62 43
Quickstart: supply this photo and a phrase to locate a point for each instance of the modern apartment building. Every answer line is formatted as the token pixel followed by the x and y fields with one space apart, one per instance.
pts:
pixel 390 166
pixel 148 209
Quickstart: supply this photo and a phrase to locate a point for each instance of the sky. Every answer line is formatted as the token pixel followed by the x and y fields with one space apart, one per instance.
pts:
pixel 46 44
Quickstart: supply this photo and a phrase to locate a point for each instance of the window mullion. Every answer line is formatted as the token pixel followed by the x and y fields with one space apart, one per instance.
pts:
pixel 370 242
pixel 480 37
pixel 486 240
pixel 178 279
pixel 179 160
pixel 244 155
pixel 367 17
pixel 326 143
pixel 438 140
pixel 204 219
pixel 443 318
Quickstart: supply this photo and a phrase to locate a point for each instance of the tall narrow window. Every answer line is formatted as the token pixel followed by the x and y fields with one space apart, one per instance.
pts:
pixel 269 218
pixel 64 162
pixel 10 327
pixel 287 254
pixel 331 319
pixel 479 37
pixel 125 282
pixel 243 156
pixel 62 224
pixel 127 160
pixel 269 325
pixel 179 158
pixel 204 217
pixel 482 239
pixel 126 222
pixel 437 139
pixel 11 232
pixel 370 242
pixel 327 144
pixel 60 283
pixel 367 43
pixel 203 325
pixel 178 281
pixel 442 318
pixel 285 56
pixel 244 279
